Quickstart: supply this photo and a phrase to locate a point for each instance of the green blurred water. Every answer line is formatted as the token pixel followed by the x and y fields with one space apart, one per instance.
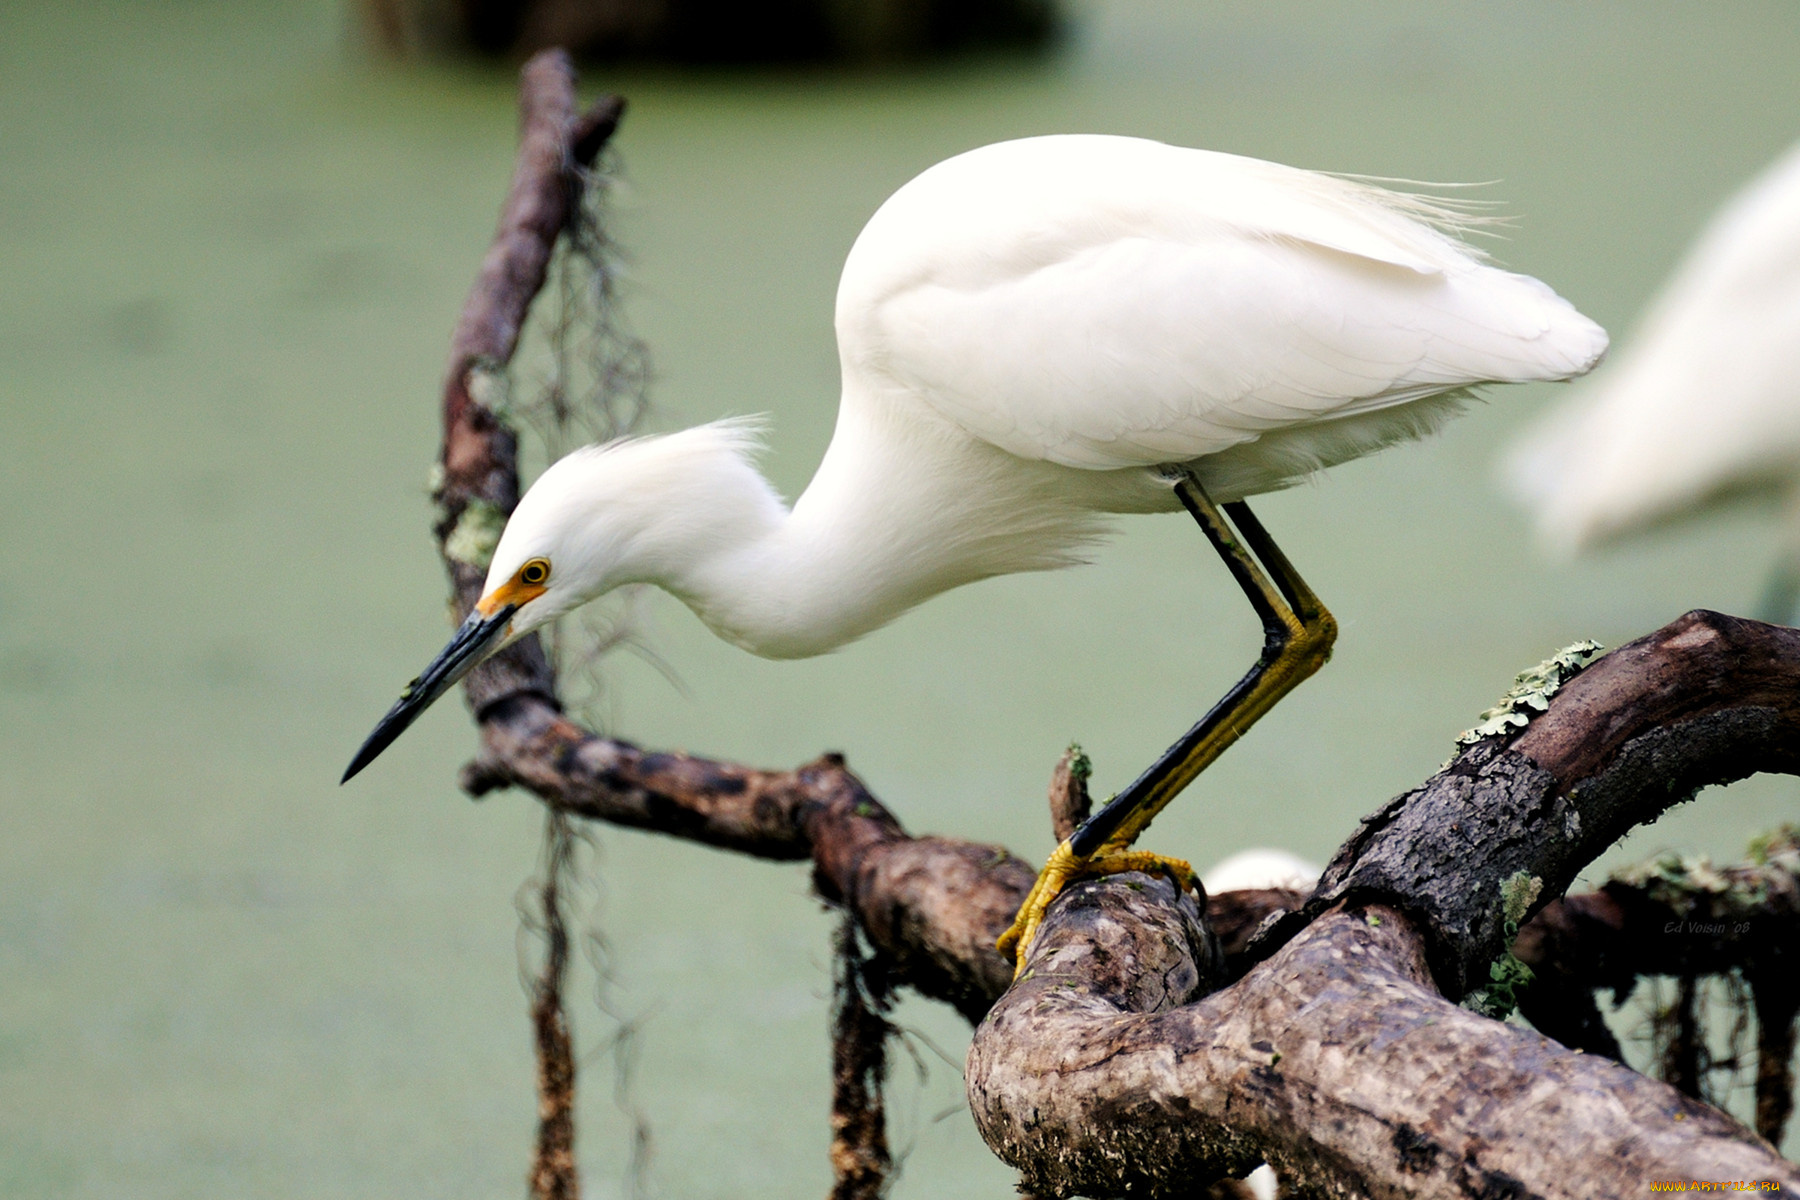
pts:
pixel 230 255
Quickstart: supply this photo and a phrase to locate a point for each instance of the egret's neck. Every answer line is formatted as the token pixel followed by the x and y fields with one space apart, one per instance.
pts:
pixel 897 512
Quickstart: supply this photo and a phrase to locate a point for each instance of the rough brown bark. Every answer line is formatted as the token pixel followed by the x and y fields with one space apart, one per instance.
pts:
pixel 480 466
pixel 1146 1053
pixel 1684 921
pixel 860 1161
pixel 1337 1061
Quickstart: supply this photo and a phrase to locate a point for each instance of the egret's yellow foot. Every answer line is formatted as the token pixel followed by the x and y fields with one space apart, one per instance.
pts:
pixel 1297 636
pixel 1065 867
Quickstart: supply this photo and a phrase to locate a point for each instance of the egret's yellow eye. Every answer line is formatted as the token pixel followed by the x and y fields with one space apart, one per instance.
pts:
pixel 535 572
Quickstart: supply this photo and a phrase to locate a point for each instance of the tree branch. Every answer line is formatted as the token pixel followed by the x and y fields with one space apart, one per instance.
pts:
pixel 480 481
pixel 479 460
pixel 935 905
pixel 1706 699
pixel 1699 701
pixel 1336 1061
pixel 1684 918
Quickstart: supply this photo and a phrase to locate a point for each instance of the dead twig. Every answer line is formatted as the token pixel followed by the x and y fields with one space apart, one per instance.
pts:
pixel 553 1173
pixel 479 484
pixel 861 993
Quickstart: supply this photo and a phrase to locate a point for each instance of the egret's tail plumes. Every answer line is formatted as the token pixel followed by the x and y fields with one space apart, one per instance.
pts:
pixel 1284 457
pixel 1457 217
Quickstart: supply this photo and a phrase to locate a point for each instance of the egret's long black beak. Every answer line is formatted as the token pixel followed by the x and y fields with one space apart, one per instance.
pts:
pixel 475 639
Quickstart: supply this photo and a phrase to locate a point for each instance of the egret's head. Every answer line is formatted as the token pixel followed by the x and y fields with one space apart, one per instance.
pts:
pixel 642 509
pixel 565 541
pixel 555 554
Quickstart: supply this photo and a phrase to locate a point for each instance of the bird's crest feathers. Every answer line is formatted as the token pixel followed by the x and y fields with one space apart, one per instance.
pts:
pixel 742 437
pixel 612 507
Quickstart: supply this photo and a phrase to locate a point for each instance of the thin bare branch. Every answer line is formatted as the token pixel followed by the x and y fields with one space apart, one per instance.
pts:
pixel 861 993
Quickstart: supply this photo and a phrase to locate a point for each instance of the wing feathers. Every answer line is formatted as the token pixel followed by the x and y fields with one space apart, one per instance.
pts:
pixel 1148 304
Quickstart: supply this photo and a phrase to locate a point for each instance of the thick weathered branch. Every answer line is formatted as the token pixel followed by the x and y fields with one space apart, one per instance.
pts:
pixel 1706 699
pixel 934 907
pixel 1686 919
pixel 1337 1061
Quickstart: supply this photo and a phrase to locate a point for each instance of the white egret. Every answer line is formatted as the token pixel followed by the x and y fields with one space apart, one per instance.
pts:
pixel 1705 402
pixel 1261 867
pixel 1032 336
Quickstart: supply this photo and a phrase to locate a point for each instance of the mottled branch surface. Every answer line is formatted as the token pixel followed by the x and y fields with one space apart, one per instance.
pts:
pixel 1150 1049
pixel 479 464
pixel 1686 919
pixel 1108 1072
pixel 1706 699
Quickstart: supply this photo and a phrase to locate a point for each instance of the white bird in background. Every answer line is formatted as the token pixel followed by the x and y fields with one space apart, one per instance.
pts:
pixel 1703 405
pixel 1261 867
pixel 1035 335
pixel 1258 868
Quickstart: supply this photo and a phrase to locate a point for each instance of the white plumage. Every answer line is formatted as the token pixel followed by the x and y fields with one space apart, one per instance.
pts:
pixel 1706 400
pixel 1025 331
pixel 1261 867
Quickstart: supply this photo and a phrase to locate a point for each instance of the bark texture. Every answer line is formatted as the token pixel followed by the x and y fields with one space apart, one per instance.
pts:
pixel 1107 1072
pixel 861 993
pixel 479 469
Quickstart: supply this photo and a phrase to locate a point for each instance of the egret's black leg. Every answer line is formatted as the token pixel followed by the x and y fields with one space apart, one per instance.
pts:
pixel 1297 637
